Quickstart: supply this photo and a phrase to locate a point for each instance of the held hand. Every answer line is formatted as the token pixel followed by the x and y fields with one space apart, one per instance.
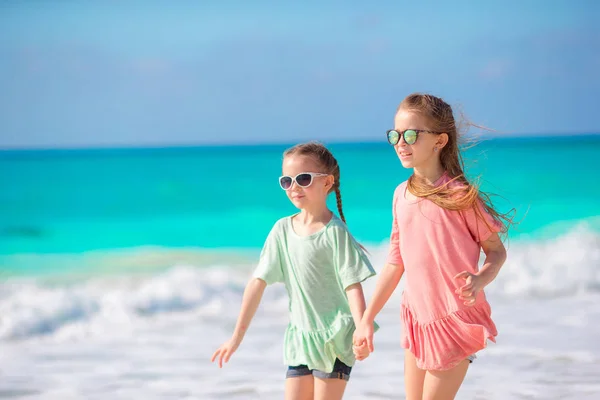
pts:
pixel 361 351
pixel 364 335
pixel 472 286
pixel 225 352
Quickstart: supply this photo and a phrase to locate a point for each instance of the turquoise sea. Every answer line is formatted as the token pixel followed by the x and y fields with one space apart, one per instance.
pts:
pixel 121 270
pixel 64 202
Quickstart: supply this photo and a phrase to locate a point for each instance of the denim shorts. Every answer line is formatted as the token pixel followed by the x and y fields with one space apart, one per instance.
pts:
pixel 340 371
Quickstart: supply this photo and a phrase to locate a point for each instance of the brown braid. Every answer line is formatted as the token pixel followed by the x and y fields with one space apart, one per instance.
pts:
pixel 338 196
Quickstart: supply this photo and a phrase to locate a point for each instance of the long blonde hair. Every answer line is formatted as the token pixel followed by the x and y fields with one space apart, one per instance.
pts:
pixel 467 195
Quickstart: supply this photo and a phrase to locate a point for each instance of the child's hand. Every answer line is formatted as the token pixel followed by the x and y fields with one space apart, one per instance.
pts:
pixel 364 334
pixel 361 351
pixel 468 292
pixel 225 351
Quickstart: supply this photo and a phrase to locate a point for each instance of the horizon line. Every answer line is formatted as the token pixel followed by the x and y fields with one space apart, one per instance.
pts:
pixel 191 145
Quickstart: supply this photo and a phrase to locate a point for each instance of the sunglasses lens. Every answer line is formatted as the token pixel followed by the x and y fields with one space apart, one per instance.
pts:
pixel 285 182
pixel 304 180
pixel 410 136
pixel 393 137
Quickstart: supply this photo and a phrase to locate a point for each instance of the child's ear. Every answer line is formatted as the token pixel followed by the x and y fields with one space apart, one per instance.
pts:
pixel 329 181
pixel 442 140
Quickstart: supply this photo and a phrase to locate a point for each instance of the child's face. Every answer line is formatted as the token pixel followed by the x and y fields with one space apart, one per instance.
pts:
pixel 303 197
pixel 420 153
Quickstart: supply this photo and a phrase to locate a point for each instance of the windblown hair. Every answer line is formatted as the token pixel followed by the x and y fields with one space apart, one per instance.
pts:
pixel 465 195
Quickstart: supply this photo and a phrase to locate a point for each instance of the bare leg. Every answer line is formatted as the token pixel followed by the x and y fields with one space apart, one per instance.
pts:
pixel 299 388
pixel 329 389
pixel 414 377
pixel 443 385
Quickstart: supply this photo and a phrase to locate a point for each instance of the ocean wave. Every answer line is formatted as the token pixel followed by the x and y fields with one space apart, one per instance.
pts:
pixel 31 308
pixel 211 288
pixel 562 266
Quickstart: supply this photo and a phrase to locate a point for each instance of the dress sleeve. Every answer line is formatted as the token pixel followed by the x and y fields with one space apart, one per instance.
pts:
pixel 394 256
pixel 481 229
pixel 270 266
pixel 353 265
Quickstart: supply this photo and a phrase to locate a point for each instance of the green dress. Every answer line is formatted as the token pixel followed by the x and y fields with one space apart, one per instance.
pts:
pixel 316 270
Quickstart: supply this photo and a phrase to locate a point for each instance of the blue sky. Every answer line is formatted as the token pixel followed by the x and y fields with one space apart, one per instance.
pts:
pixel 111 73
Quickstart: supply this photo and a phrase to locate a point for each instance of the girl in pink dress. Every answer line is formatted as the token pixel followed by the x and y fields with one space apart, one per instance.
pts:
pixel 441 222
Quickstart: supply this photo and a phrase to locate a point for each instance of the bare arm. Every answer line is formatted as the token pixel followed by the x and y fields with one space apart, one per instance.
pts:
pixel 386 284
pixel 495 256
pixel 390 275
pixel 356 300
pixel 252 296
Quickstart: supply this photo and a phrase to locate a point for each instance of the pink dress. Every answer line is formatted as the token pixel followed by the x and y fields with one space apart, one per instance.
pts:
pixel 435 244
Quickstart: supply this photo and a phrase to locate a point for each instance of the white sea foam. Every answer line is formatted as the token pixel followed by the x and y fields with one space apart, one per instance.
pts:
pixel 150 335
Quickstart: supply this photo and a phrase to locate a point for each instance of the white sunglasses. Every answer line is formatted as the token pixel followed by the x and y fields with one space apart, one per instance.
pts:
pixel 304 179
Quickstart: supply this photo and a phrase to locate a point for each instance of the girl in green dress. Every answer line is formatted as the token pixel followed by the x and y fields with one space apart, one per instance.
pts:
pixel 322 267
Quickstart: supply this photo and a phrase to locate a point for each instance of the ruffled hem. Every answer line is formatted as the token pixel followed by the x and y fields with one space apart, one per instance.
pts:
pixel 319 349
pixel 442 344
